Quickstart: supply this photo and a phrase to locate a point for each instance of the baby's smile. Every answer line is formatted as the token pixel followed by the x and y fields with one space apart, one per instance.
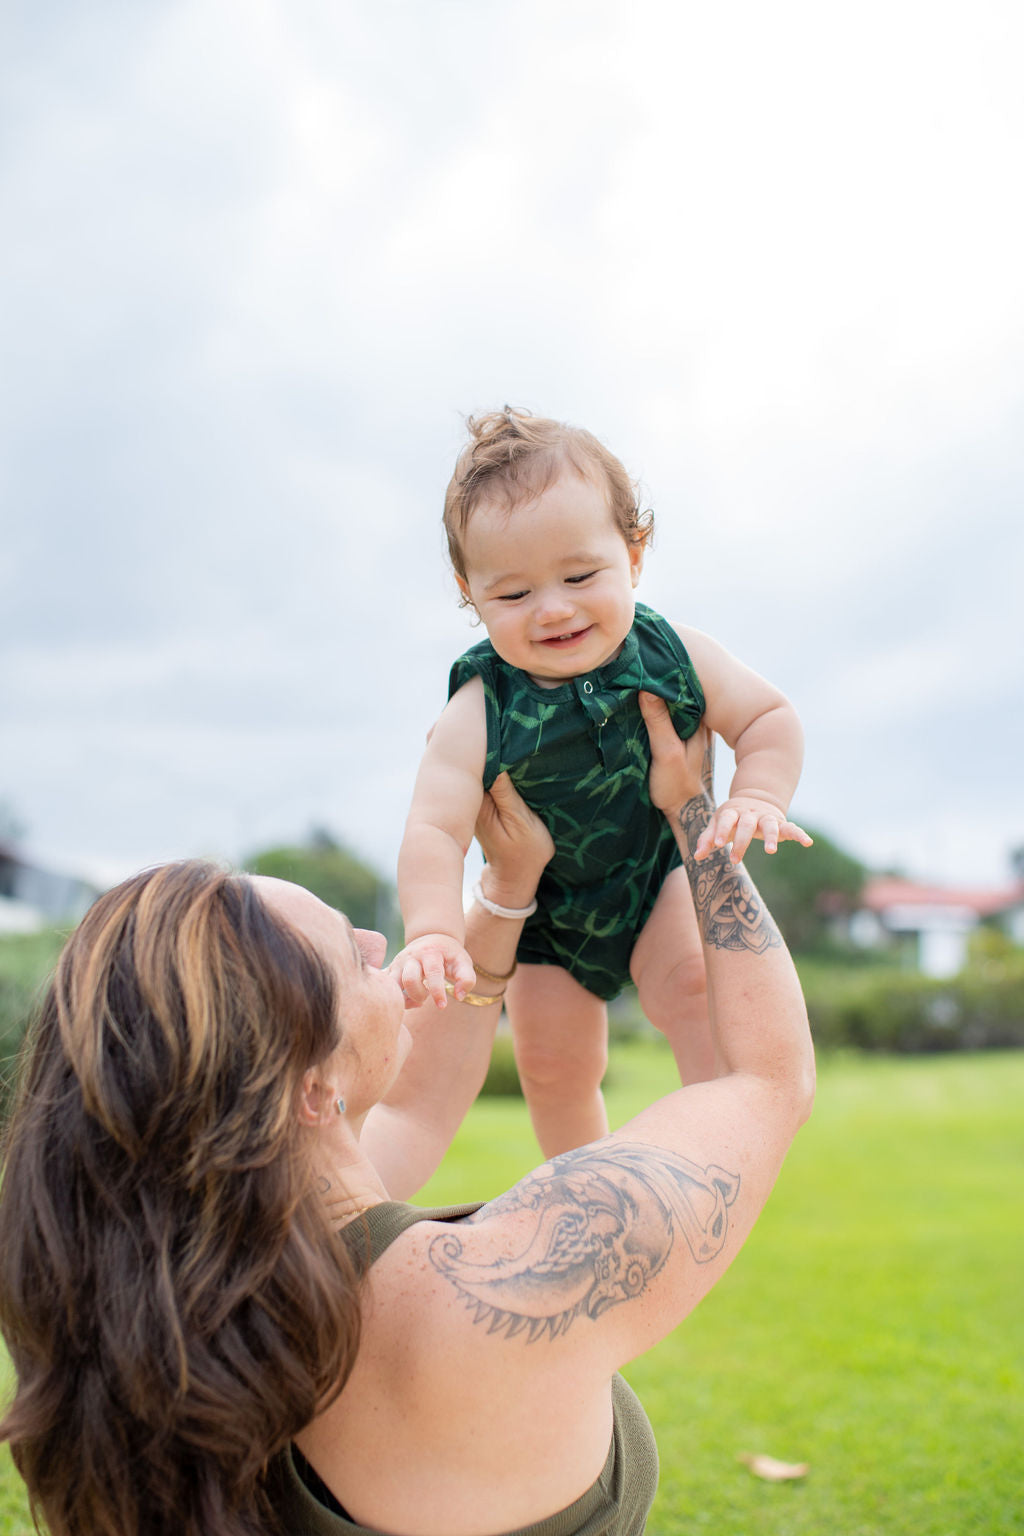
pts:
pixel 567 639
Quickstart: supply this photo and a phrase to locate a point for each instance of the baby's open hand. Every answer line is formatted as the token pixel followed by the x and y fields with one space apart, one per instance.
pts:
pixel 422 967
pixel 743 818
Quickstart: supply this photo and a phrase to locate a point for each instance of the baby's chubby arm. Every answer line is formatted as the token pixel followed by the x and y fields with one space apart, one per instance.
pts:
pixel 764 731
pixel 445 805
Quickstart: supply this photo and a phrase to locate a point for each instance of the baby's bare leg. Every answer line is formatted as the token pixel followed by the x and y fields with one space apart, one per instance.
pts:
pixel 560 1032
pixel 667 965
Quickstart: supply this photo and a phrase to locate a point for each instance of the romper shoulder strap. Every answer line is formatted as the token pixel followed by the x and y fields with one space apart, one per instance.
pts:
pixel 484 662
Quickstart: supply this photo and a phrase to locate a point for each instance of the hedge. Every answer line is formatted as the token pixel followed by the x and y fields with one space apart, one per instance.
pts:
pixel 878 1008
pixel 904 1012
pixel 26 962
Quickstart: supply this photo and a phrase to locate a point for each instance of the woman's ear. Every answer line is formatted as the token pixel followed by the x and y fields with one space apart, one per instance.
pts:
pixel 313 1099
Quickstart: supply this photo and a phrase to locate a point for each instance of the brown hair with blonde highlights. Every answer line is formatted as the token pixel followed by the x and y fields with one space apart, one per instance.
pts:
pixel 515 456
pixel 173 1299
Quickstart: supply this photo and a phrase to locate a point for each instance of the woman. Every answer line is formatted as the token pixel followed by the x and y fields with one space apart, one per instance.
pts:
pixel 216 1088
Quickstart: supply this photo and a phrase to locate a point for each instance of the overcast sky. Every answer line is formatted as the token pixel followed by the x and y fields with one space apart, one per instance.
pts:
pixel 260 258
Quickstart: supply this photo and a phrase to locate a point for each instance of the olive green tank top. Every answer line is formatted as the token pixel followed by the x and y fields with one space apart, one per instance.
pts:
pixel 616 1504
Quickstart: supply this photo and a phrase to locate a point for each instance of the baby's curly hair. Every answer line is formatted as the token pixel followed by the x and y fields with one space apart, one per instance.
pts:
pixel 516 456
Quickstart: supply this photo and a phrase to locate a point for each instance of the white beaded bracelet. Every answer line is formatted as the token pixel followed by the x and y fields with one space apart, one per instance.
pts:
pixel 496 911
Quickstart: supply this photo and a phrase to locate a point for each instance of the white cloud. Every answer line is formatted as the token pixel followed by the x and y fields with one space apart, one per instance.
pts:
pixel 264 256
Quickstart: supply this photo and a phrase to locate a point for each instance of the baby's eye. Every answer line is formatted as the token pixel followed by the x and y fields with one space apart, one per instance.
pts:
pixel 585 577
pixel 510 597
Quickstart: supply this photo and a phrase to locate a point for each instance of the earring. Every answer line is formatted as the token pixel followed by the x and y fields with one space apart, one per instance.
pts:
pixel 340 1102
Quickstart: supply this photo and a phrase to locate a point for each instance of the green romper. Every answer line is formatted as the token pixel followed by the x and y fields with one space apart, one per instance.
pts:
pixel 616 1504
pixel 579 755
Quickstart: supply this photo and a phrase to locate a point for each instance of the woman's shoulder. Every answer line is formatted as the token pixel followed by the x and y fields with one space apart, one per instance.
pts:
pixel 481 1289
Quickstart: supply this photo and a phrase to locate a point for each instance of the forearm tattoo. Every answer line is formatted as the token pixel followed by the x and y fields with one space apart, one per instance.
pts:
pixel 601 1222
pixel 730 913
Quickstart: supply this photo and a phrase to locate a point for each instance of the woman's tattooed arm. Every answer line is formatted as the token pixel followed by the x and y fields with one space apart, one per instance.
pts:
pixel 730 913
pixel 600 1223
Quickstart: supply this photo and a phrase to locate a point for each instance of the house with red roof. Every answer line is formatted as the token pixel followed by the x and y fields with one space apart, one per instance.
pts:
pixel 937 919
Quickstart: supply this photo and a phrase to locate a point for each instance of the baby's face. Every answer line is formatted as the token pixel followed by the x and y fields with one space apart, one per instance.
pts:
pixel 553 579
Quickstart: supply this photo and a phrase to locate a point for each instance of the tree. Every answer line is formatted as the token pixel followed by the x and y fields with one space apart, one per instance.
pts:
pixel 806 888
pixel 335 874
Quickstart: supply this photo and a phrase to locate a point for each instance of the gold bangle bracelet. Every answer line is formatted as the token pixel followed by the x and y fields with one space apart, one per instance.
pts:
pixel 474 999
pixel 490 975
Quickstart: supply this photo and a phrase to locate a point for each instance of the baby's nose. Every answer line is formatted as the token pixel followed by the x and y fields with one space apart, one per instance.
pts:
pixel 554 604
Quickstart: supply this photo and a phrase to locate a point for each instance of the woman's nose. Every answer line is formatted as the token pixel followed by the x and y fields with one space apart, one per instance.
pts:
pixel 372 945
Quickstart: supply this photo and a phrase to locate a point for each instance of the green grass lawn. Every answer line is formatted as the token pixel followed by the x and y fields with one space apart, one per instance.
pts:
pixel 873 1326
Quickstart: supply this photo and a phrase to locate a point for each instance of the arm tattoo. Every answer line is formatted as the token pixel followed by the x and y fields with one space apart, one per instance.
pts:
pixel 601 1223
pixel 730 913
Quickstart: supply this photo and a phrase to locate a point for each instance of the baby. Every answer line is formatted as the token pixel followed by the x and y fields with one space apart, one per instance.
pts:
pixel 547 544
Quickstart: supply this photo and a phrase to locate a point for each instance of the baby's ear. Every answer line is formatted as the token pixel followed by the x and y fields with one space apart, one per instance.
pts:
pixel 637 546
pixel 463 586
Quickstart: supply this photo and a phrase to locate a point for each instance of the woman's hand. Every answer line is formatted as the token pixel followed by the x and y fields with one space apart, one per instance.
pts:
pixel 515 843
pixel 681 771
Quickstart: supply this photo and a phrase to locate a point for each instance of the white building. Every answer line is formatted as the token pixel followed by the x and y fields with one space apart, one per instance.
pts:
pixel 32 897
pixel 938 918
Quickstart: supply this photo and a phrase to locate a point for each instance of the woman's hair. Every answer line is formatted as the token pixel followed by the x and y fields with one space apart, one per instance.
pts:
pixel 172 1297
pixel 514 456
